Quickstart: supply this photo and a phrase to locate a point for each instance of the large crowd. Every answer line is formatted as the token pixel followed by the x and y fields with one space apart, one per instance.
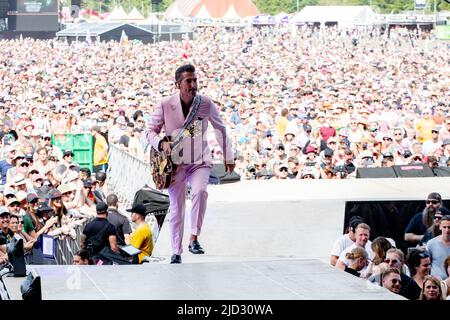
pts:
pixel 298 105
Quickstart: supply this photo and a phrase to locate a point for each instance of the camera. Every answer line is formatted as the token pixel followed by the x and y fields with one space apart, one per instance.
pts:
pixel 251 169
pixel 310 164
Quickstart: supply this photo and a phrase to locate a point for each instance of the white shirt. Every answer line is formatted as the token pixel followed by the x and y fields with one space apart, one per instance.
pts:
pixel 341 244
pixel 368 248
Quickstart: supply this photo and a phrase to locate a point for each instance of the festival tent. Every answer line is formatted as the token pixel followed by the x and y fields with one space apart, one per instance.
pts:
pixel 135 16
pixel 344 16
pixel 231 14
pixel 174 13
pixel 216 8
pixel 118 14
pixel 203 14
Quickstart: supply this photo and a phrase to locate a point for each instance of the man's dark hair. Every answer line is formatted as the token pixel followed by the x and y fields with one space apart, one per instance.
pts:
pixel 86 171
pixel 100 176
pixel 184 68
pixel 112 200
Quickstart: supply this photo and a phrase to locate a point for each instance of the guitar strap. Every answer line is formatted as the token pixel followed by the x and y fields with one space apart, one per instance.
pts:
pixel 190 118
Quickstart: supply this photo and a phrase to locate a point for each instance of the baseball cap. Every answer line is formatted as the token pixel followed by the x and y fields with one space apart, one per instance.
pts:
pixel 53 194
pixel 68 153
pixel 445 142
pixel 139 209
pixel 31 197
pixel 101 207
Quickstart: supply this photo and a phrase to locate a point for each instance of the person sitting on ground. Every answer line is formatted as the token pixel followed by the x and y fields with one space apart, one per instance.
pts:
pixel 357 261
pixel 362 237
pixel 142 237
pixel 345 240
pixel 431 289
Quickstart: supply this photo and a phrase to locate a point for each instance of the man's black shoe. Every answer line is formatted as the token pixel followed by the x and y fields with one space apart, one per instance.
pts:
pixel 196 248
pixel 176 258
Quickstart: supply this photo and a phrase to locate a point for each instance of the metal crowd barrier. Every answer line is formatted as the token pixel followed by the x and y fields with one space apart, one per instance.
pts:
pixel 126 175
pixel 67 247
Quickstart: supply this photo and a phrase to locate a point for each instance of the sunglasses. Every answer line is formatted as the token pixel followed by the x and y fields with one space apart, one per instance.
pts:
pixel 432 201
pixel 47 139
pixel 424 255
pixel 395 281
pixel 394 261
pixel 387 139
pixel 24 165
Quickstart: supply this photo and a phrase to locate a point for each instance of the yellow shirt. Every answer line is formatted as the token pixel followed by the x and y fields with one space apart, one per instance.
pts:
pixel 142 239
pixel 424 127
pixel 281 126
pixel 100 151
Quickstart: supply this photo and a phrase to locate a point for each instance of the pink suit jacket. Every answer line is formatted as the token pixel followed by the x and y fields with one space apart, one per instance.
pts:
pixel 169 117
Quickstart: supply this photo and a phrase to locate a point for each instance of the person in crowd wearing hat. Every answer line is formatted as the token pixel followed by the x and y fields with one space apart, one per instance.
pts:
pixel 117 130
pixel 444 160
pixel 9 153
pixel 68 158
pixel 99 233
pixel 278 158
pixel 10 174
pixel 13 206
pixel 142 237
pixel 6 234
pixel 100 162
pixel 419 224
pixel 171 113
pixel 387 160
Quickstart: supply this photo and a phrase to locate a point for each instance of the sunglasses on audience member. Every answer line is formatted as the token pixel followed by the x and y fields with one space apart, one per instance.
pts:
pixel 394 261
pixel 432 201
pixel 395 281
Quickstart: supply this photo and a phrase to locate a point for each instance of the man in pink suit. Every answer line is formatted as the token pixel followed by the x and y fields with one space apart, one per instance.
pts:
pixel 193 157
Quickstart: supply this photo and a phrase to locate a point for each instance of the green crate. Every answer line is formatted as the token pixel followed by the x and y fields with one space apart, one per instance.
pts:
pixel 82 145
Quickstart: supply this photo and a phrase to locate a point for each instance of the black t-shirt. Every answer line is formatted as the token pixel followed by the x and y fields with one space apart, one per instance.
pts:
pixel 121 223
pixel 5 238
pixel 125 140
pixel 416 225
pixel 409 289
pixel 96 226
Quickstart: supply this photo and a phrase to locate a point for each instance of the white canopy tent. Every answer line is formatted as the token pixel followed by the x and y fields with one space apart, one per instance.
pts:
pixel 203 14
pixel 231 14
pixel 344 16
pixel 135 15
pixel 174 13
pixel 118 14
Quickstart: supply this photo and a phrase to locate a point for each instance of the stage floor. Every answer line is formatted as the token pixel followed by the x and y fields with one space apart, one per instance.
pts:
pixel 290 279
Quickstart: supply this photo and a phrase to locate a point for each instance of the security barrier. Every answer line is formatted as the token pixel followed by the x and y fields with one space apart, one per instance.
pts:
pixel 126 175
